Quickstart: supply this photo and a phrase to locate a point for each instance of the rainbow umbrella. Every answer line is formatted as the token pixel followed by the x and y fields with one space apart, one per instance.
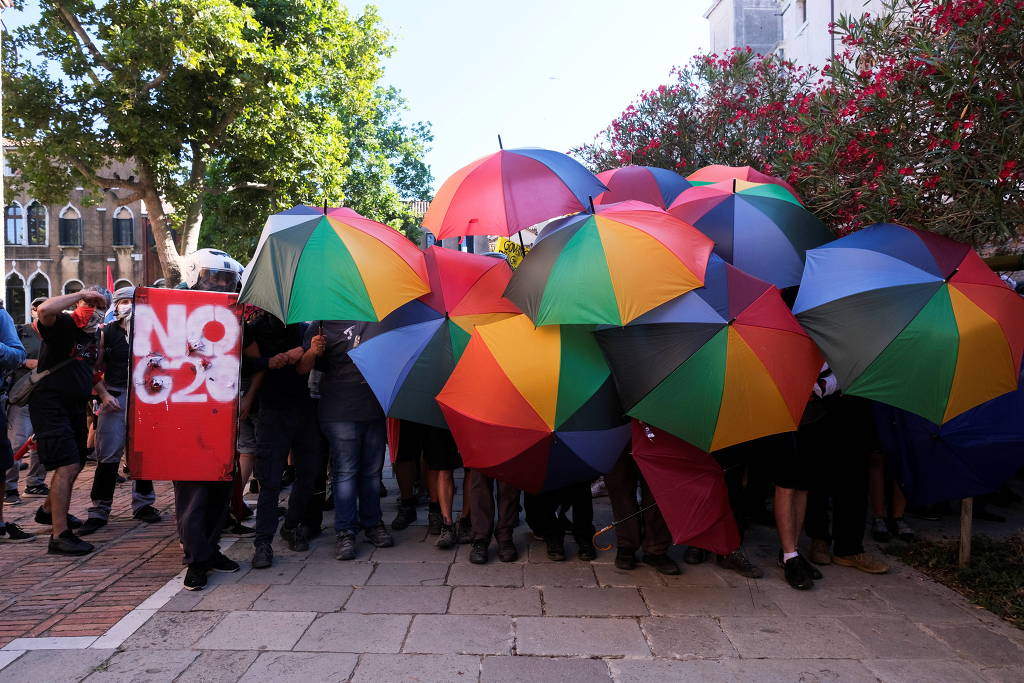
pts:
pixel 716 173
pixel 912 319
pixel 310 265
pixel 608 267
pixel 724 364
pixel 534 406
pixel 408 362
pixel 504 192
pixel 758 227
pixel 657 186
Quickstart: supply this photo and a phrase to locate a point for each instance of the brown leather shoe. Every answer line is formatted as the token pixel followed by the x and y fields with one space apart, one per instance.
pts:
pixel 862 561
pixel 820 552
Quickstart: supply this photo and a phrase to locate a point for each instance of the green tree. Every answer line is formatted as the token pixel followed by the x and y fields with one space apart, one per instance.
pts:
pixel 217 104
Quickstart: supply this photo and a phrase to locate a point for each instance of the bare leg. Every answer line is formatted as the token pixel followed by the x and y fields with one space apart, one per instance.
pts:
pixel 245 462
pixel 60 496
pixel 876 484
pixel 405 473
pixel 790 508
pixel 444 484
pixel 899 501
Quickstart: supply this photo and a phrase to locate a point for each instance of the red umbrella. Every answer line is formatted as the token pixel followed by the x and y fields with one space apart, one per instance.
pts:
pixel 689 487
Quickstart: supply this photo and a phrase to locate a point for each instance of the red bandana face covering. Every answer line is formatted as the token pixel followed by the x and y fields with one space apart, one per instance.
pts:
pixel 82 315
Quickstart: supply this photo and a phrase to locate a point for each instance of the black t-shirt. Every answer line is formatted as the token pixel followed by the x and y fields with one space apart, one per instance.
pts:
pixel 62 340
pixel 283 387
pixel 344 394
pixel 116 356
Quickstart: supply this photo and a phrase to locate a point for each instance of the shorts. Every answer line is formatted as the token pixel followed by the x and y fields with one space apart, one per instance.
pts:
pixel 60 426
pixel 245 441
pixel 436 445
pixel 793 456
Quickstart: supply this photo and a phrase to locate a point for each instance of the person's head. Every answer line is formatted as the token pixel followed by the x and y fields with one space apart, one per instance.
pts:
pixel 212 270
pixel 123 302
pixel 35 307
pixel 89 317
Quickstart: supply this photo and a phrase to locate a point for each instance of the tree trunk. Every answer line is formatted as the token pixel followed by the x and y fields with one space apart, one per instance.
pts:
pixel 190 227
pixel 167 252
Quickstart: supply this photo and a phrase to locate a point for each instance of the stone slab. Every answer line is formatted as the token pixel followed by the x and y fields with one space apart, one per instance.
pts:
pixel 543 670
pixel 54 666
pixel 300 667
pixel 460 634
pixel 182 602
pixel 560 575
pixel 409 574
pixel 732 670
pixel 292 598
pixel 508 601
pixel 357 633
pixel 416 551
pixel 931 670
pixel 642 576
pixel 257 631
pixel 279 572
pixel 229 597
pixel 708 601
pixel 508 574
pixel 217 666
pixel 825 599
pixel 687 638
pixel 142 666
pixel 580 637
pixel 333 573
pixel 593 602
pixel 894 638
pixel 922 604
pixel 172 630
pixel 980 645
pixel 791 637
pixel 399 600
pixel 419 668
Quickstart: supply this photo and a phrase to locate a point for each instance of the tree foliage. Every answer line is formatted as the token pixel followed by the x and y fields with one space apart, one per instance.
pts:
pixel 232 107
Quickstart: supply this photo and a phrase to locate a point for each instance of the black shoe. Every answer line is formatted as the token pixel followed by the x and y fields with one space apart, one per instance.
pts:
pixel 288 477
pixel 478 554
pixel 297 540
pixel 406 514
pixel 37 491
pixel 236 530
pixel 246 513
pixel 345 546
pixel 625 560
pixel 662 563
pixel 379 536
pixel 507 551
pixel 195 577
pixel 695 555
pixel 263 556
pixel 585 550
pixel 120 479
pixel 12 497
pixel 738 561
pixel 148 514
pixel 556 549
pixel 796 573
pixel 464 530
pixel 12 533
pixel 46 519
pixel 91 526
pixel 69 544
pixel 223 564
pixel 812 571
pixel 433 523
pixel 447 538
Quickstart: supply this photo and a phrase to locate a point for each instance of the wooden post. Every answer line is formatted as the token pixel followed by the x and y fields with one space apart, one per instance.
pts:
pixel 966 517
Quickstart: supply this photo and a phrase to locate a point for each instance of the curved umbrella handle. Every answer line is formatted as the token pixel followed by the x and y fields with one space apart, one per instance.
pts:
pixel 602 531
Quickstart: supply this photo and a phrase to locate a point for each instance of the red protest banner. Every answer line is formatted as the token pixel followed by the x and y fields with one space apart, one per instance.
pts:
pixel 183 405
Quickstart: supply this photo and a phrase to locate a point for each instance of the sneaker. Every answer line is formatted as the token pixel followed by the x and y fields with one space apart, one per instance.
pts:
pixel 598 488
pixel 585 550
pixel 796 572
pixel 379 536
pixel 695 555
pixel 69 544
pixel 406 514
pixel 12 497
pixel 507 551
pixel 862 561
pixel 434 522
pixel 903 531
pixel 478 554
pixel 446 539
pixel 195 577
pixel 148 514
pixel 223 564
pixel 46 519
pixel 464 530
pixel 120 479
pixel 296 537
pixel 880 530
pixel 738 561
pixel 555 549
pixel 91 526
pixel 345 546
pixel 262 556
pixel 625 559
pixel 12 533
pixel 235 530
pixel 37 491
pixel 246 513
pixel 821 552
pixel 662 563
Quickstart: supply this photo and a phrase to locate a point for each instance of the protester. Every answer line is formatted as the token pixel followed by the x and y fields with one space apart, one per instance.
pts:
pixel 406 468
pixel 441 456
pixel 12 355
pixel 202 506
pixel 57 406
pixel 353 422
pixel 542 514
pixel 19 425
pixel 480 490
pixel 642 525
pixel 887 520
pixel 737 462
pixel 111 425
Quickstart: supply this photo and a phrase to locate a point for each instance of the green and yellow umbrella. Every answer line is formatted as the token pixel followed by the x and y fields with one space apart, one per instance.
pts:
pixel 335 266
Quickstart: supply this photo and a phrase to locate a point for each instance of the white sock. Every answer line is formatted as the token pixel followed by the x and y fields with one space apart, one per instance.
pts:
pixel 786 557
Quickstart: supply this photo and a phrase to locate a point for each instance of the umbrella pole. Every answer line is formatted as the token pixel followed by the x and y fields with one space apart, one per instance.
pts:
pixel 616 523
pixel 966 519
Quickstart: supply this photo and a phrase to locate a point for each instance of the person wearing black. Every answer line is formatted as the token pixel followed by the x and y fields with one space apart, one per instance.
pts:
pixel 641 528
pixel 58 404
pixel 12 354
pixel 19 426
pixel 111 433
pixel 542 516
pixel 286 423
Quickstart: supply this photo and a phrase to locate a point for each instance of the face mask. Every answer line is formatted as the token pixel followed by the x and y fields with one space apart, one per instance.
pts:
pixel 82 316
pixel 124 311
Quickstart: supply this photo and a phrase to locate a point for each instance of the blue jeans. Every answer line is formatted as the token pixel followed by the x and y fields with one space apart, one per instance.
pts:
pixel 357 458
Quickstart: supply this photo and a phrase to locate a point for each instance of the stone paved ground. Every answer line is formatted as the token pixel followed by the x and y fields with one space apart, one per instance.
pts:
pixel 413 612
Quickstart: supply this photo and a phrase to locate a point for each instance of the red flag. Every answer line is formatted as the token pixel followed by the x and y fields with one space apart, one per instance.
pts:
pixel 110 280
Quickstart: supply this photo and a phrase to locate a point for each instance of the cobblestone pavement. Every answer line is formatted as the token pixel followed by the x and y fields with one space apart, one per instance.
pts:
pixel 413 612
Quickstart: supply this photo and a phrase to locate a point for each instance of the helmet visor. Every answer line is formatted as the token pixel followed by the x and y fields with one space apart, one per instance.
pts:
pixel 217 280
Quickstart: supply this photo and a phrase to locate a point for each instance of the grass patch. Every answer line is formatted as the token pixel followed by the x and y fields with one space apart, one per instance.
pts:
pixel 994 579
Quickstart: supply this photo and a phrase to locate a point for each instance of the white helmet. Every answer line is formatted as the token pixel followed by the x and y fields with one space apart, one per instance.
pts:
pixel 212 270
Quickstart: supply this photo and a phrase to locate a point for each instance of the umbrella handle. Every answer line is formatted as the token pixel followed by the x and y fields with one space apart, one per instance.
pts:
pixel 602 531
pixel 617 522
